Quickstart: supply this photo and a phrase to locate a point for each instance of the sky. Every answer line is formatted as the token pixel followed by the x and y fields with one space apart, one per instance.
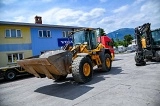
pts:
pixel 107 14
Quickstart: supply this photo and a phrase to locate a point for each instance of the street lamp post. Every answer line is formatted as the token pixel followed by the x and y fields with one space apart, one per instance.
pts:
pixel 116 36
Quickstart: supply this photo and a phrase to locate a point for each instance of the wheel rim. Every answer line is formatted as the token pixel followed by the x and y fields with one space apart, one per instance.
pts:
pixel 108 63
pixel 11 75
pixel 86 69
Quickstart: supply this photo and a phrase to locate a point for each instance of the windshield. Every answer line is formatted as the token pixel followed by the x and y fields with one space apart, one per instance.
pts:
pixel 79 37
pixel 156 37
pixel 97 32
pixel 88 37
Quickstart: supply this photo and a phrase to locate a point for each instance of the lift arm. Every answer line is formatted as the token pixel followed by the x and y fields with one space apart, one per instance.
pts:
pixel 142 32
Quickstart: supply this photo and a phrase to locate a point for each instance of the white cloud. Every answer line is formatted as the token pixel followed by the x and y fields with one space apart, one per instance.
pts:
pixel 94 13
pixel 138 2
pixel 60 16
pixel 148 12
pixel 151 7
pixel 121 9
pixel 66 16
pixel 151 10
pixel 19 19
pixel 127 16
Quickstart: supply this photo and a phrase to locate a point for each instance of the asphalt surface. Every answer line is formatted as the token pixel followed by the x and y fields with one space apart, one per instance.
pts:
pixel 125 85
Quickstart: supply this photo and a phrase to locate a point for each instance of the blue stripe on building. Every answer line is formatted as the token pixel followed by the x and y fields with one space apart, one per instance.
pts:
pixel 43 44
pixel 14 47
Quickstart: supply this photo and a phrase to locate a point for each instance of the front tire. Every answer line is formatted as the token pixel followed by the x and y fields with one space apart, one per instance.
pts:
pixel 82 70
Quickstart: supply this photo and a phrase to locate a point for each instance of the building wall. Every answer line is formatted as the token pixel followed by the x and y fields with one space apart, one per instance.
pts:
pixel 14 45
pixel 40 44
pixel 4 60
pixel 22 40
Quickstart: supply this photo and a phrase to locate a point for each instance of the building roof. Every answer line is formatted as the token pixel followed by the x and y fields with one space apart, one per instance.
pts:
pixel 37 25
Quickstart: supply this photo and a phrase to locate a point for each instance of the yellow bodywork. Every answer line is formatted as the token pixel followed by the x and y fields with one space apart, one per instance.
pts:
pixel 86 69
pixel 143 43
pixel 91 53
pixel 112 56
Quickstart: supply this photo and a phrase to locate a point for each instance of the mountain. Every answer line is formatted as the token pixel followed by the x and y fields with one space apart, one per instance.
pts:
pixel 120 33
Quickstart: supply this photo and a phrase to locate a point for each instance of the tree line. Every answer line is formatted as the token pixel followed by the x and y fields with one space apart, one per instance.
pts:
pixel 127 39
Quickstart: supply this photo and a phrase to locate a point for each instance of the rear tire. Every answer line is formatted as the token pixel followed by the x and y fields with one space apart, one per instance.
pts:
pixel 10 75
pixel 157 56
pixel 82 70
pixel 106 63
pixel 139 61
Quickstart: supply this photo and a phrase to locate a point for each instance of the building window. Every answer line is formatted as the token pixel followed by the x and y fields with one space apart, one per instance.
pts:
pixel 66 33
pixel 18 33
pixel 7 33
pixel 69 33
pixel 44 33
pixel 13 33
pixel 12 58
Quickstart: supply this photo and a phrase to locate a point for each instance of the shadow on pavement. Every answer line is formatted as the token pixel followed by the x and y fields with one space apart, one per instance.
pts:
pixel 66 90
pixel 117 59
pixel 71 90
pixel 116 71
pixel 113 71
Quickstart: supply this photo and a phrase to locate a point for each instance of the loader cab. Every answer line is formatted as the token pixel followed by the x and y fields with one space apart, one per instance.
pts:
pixel 156 37
pixel 86 36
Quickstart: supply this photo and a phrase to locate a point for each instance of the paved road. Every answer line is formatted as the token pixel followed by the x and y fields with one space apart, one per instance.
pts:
pixel 124 85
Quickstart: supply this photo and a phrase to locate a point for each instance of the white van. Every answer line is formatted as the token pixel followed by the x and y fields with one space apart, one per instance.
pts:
pixel 121 49
pixel 131 48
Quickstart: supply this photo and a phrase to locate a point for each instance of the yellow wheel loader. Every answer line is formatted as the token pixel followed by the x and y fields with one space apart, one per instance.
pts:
pixel 87 51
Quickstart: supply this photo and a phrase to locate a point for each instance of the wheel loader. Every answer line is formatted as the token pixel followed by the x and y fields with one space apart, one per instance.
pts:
pixel 87 51
pixel 148 44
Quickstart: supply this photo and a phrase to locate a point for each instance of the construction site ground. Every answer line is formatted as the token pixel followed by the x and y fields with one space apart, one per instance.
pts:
pixel 125 85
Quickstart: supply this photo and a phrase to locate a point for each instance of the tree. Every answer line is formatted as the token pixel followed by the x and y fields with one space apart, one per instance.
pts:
pixel 114 43
pixel 125 44
pixel 102 32
pixel 127 39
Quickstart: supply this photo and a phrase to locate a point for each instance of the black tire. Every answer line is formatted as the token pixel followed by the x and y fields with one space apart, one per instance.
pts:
pixel 59 77
pixel 157 57
pixel 139 62
pixel 136 59
pixel 82 70
pixel 10 75
pixel 106 63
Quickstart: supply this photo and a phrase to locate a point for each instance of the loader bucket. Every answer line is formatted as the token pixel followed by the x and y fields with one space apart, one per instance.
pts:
pixel 49 64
